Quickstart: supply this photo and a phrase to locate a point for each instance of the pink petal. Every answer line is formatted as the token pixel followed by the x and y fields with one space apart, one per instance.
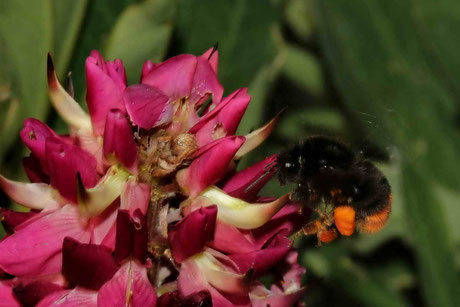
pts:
pixel 212 55
pixel 287 221
pixel 104 89
pixel 276 298
pixel 131 236
pixel 222 273
pixel 29 294
pixel 174 77
pixel 184 76
pixel 191 280
pixel 110 238
pixel 140 237
pixel 292 271
pixel 174 299
pixel 211 166
pixel 289 290
pixel 7 297
pixel 229 239
pixel 87 265
pixel 35 248
pixel 94 146
pixel 259 261
pixel 77 297
pixel 128 287
pixel 119 140
pixel 207 147
pixel 135 196
pixel 31 195
pixel 170 299
pixel 64 163
pixel 190 235
pixel 230 110
pixel 33 170
pixel 11 219
pixel 117 73
pixel 97 58
pixel 124 236
pixel 34 135
pixel 147 68
pixel 279 241
pixel 205 83
pixel 147 106
pixel 223 119
pixel 103 225
pixel 248 182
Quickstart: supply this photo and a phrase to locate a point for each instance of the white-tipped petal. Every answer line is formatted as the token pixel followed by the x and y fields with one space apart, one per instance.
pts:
pixel 32 195
pixel 239 213
pixel 65 105
pixel 256 137
pixel 219 276
pixel 95 200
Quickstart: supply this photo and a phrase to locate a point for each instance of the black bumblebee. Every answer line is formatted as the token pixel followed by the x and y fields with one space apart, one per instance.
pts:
pixel 325 170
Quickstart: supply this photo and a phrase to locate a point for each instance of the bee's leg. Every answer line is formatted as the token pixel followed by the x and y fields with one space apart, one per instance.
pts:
pixel 311 228
pixel 325 214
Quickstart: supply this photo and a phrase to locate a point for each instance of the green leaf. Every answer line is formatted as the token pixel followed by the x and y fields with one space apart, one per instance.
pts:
pixel 431 238
pixel 68 17
pixel 252 119
pixel 395 275
pixel 299 17
pixel 331 263
pixel 141 33
pixel 25 38
pixel 258 89
pixel 382 71
pixel 100 17
pixel 438 23
pixel 303 68
pixel 448 199
pixel 297 124
pixel 243 29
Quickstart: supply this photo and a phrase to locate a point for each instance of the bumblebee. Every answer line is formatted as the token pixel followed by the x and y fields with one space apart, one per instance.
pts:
pixel 355 193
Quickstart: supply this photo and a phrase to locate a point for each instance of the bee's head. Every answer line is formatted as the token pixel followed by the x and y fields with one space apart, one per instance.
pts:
pixel 288 164
pixel 323 154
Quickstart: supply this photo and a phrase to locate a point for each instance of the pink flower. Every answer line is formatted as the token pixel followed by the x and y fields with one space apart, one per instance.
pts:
pixel 106 82
pixel 172 90
pixel 191 234
pixel 141 203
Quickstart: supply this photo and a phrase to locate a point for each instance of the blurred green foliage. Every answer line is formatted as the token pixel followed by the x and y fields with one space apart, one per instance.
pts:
pixel 375 73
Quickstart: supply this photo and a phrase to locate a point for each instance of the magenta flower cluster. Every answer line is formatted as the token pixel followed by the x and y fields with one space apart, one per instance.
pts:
pixel 141 204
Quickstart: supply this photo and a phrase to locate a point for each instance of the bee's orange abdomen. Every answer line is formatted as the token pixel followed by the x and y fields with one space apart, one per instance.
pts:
pixel 344 218
pixel 376 221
